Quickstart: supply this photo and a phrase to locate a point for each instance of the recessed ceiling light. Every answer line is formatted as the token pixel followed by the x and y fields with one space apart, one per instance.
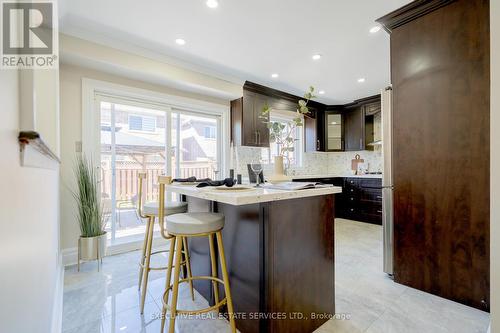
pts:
pixel 321 92
pixel 316 56
pixel 212 3
pixel 274 75
pixel 375 29
pixel 361 80
pixel 180 41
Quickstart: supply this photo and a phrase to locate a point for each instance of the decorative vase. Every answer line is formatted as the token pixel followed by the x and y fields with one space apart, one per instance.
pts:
pixel 278 166
pixel 279 171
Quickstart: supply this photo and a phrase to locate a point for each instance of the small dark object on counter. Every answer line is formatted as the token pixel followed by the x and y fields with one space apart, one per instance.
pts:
pixel 231 173
pixel 191 179
pixel 238 178
pixel 229 182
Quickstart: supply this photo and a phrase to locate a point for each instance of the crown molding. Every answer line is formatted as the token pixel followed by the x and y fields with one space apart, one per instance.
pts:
pixel 410 12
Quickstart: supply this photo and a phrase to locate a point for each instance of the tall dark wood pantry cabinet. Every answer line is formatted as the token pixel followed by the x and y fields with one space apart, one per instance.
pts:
pixel 441 91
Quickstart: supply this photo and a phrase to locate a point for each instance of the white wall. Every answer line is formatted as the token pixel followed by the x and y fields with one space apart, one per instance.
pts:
pixel 129 62
pixel 71 132
pixel 29 256
pixel 495 166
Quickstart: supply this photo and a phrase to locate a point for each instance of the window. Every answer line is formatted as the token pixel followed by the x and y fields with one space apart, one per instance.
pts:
pixel 209 132
pixel 295 157
pixel 144 146
pixel 141 123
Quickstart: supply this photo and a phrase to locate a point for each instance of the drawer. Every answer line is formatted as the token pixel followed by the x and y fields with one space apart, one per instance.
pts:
pixel 350 199
pixel 371 209
pixel 370 183
pixel 370 194
pixel 351 182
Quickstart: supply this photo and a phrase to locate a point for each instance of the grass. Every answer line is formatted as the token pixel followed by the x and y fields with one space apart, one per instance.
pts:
pixel 90 216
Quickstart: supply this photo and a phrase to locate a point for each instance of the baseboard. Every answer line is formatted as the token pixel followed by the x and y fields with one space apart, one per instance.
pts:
pixel 70 255
pixel 57 308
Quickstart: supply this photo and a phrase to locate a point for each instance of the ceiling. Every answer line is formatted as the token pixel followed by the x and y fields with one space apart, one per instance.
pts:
pixel 249 40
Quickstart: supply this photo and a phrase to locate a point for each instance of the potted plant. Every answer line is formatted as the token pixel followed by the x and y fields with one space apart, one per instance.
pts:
pixel 92 241
pixel 282 133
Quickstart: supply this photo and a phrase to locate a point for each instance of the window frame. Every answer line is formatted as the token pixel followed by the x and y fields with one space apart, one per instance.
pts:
pixel 286 116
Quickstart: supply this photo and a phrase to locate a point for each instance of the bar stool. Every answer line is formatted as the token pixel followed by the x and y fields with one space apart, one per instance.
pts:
pixel 150 211
pixel 180 227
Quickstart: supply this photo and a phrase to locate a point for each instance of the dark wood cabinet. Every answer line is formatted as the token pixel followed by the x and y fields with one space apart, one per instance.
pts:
pixel 333 131
pixel 249 129
pixel 260 125
pixel 358 123
pixel 247 126
pixel 326 128
pixel 312 142
pixel 440 73
pixel 354 131
pixel 361 200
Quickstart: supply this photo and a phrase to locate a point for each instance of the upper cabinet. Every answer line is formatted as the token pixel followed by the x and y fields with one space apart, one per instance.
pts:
pixel 247 126
pixel 360 123
pixel 350 127
pixel 354 128
pixel 334 131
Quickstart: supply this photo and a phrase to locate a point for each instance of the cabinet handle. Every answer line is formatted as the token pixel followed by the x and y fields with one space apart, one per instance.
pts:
pixel 258 137
pixel 379 197
pixel 317 144
pixel 352 209
pixel 352 199
pixel 361 143
pixel 379 211
pixel 255 137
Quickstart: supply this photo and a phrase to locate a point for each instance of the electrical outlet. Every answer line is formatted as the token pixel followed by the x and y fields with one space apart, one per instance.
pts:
pixel 78 146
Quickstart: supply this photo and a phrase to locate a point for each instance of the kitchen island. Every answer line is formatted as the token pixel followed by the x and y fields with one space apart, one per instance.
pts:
pixel 280 253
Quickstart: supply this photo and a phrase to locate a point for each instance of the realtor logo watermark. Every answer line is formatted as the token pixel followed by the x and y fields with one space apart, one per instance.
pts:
pixel 29 35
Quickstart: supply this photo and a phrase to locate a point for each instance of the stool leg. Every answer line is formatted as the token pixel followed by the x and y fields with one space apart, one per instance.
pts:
pixel 175 291
pixel 214 268
pixel 168 281
pixel 225 277
pixel 144 290
pixel 188 265
pixel 143 257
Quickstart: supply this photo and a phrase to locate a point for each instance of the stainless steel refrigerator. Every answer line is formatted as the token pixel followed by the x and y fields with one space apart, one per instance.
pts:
pixel 387 184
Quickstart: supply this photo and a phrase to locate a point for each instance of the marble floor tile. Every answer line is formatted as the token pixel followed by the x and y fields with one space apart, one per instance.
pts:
pixel 366 299
pixel 376 304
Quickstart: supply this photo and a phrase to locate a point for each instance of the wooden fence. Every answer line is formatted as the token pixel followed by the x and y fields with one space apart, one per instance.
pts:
pixel 126 180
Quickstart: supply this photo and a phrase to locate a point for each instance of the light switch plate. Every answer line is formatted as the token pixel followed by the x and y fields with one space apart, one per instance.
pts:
pixel 78 146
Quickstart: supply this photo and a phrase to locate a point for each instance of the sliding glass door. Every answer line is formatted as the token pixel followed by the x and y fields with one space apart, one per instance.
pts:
pixel 141 137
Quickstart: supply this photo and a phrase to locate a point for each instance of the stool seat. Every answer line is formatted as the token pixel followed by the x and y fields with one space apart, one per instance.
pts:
pixel 194 223
pixel 173 207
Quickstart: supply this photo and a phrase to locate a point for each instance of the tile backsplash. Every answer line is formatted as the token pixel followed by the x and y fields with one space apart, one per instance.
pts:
pixel 317 163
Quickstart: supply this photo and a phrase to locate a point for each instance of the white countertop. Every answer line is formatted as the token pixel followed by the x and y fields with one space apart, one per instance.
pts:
pixel 248 197
pixel 333 176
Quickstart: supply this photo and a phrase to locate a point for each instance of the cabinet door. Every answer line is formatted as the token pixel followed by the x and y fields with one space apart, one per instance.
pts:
pixel 262 132
pixel 311 142
pixel 334 132
pixel 248 120
pixel 354 129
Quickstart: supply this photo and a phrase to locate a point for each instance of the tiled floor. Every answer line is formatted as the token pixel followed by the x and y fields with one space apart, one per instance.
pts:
pixel 366 299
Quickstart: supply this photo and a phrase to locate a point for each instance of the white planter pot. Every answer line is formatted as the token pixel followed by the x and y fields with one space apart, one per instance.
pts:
pixel 92 248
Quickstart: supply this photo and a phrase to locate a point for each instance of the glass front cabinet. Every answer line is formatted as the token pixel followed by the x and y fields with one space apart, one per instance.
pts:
pixel 334 131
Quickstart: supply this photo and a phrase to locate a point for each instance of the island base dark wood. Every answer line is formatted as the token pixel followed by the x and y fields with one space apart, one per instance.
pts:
pixel 280 259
